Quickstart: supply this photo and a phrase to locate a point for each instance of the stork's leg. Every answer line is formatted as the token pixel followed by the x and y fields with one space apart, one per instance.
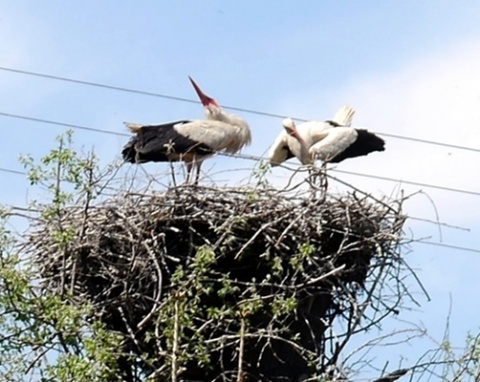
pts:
pixel 324 178
pixel 313 174
pixel 189 166
pixel 318 180
pixel 198 164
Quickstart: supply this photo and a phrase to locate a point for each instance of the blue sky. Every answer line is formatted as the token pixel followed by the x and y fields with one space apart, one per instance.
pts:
pixel 409 68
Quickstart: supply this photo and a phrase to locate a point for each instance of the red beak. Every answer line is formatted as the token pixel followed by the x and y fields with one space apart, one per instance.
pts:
pixel 206 100
pixel 293 132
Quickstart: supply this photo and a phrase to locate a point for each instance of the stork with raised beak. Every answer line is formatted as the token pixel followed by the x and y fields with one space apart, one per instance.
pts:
pixel 191 141
pixel 330 141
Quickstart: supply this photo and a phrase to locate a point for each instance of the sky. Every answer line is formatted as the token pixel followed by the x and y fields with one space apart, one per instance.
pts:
pixel 408 68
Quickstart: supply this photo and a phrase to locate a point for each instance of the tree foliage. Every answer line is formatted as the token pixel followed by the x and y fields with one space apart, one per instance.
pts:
pixel 45 335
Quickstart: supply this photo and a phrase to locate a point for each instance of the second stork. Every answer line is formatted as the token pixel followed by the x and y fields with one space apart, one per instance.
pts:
pixel 330 141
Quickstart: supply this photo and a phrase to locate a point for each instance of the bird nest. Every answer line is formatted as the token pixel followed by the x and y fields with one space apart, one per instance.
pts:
pixel 210 283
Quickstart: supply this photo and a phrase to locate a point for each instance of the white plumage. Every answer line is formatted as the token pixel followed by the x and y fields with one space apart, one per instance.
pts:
pixel 329 141
pixel 344 116
pixel 287 146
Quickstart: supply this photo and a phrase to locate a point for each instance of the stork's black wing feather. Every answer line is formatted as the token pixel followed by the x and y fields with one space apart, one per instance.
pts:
pixel 288 151
pixel 333 123
pixel 156 143
pixel 365 143
pixel 393 376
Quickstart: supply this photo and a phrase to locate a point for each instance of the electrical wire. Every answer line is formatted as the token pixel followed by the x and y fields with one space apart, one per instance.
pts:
pixel 244 110
pixel 242 156
pixel 10 171
pixel 434 186
pixel 379 177
pixel 449 246
pixel 98 85
pixel 63 124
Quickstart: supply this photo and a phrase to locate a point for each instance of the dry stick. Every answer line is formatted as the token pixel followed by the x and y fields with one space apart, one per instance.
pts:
pixel 127 326
pixel 356 320
pixel 378 341
pixel 172 173
pixel 262 333
pixel 175 341
pixel 84 222
pixel 292 223
pixel 39 355
pixel 290 180
pixel 323 276
pixel 60 227
pixel 159 287
pixel 241 348
pixel 111 171
pixel 155 373
pixel 364 193
pixel 259 231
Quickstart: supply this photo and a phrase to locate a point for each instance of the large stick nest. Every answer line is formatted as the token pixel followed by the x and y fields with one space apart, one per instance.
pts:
pixel 210 284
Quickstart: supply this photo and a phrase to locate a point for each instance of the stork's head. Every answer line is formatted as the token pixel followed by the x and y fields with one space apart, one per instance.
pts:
pixel 289 126
pixel 207 102
pixel 291 129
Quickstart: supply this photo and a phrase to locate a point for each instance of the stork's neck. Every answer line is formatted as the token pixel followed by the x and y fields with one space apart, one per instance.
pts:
pixel 300 149
pixel 242 130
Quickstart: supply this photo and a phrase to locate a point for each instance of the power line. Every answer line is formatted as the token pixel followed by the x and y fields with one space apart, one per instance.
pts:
pixel 181 99
pixel 98 85
pixel 430 221
pixel 243 156
pixel 16 172
pixel 426 141
pixel 71 125
pixel 252 157
pixel 434 186
pixel 450 189
pixel 450 246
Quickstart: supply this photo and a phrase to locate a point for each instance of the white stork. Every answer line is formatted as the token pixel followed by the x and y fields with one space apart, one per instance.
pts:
pixel 188 141
pixel 331 141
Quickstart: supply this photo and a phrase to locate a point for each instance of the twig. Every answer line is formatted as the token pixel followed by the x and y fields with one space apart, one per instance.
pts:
pixel 241 349
pixel 176 329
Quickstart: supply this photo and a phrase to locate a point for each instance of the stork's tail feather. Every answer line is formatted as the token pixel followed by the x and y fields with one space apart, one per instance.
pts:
pixel 133 127
pixel 129 152
pixel 344 116
pixel 392 376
